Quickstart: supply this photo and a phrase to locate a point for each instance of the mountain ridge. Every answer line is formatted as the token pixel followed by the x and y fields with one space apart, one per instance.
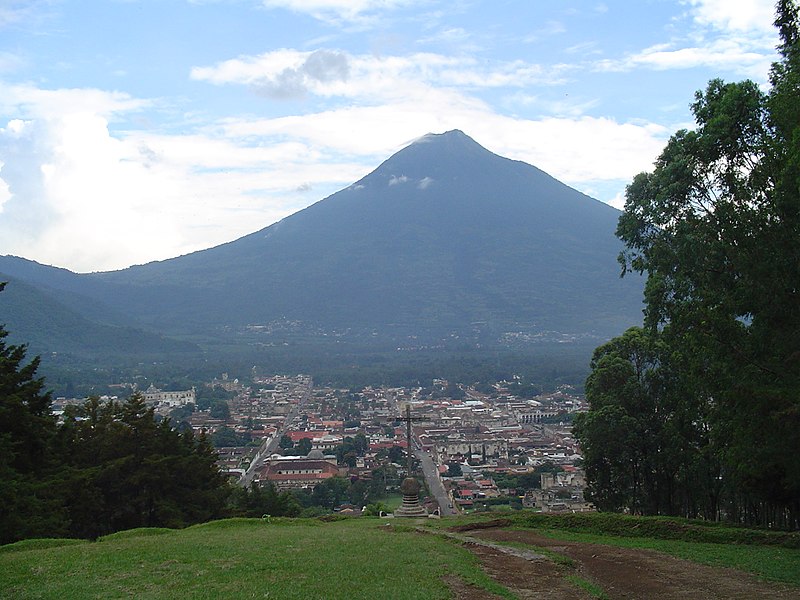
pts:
pixel 441 235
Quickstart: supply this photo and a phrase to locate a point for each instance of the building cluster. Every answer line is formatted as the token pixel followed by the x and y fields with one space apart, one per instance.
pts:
pixel 483 443
pixel 478 440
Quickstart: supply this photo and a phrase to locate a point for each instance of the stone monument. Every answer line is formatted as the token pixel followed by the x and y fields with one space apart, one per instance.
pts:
pixel 410 486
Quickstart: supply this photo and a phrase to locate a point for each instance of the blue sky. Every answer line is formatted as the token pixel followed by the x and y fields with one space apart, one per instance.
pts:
pixel 133 131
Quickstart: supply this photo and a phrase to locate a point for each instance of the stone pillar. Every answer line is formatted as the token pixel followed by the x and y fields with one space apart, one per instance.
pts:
pixel 410 507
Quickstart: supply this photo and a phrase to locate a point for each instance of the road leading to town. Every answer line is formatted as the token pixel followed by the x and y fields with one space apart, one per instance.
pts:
pixel 270 445
pixel 431 473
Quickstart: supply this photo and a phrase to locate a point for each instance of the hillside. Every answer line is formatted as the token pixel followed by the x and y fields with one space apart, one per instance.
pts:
pixel 465 558
pixel 50 326
pixel 441 235
pixel 443 241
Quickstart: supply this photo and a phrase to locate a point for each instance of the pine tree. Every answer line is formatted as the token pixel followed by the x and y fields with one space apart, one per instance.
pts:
pixel 27 428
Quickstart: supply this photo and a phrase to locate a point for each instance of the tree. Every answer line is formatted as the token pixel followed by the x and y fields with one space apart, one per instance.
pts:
pixel 330 492
pixel 225 437
pixel 641 437
pixel 303 447
pixel 108 466
pixel 220 410
pixel 263 499
pixel 454 470
pixel 715 227
pixel 360 444
pixel 397 454
pixel 27 430
pixel 124 470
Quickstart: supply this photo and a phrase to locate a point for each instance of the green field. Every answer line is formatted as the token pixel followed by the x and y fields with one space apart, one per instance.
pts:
pixel 243 558
pixel 344 558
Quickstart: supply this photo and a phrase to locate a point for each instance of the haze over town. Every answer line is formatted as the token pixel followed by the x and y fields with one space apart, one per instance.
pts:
pixel 135 131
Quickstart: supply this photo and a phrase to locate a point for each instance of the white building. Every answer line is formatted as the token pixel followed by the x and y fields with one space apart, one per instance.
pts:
pixel 157 397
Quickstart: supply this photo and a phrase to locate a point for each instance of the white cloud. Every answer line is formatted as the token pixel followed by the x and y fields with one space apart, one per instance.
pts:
pixel 721 54
pixel 406 97
pixel 70 176
pixel 736 15
pixel 34 102
pixel 282 73
pixel 73 193
pixel 286 73
pixel 571 149
pixel 339 10
pixel 425 183
pixel 618 201
pixel 732 35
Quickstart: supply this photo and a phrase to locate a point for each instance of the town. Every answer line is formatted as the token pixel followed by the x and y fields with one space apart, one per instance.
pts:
pixel 476 447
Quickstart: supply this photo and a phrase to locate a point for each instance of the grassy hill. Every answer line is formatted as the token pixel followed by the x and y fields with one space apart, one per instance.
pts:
pixel 379 558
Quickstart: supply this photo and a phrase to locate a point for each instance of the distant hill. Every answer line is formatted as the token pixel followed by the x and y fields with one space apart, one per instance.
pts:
pixel 36 318
pixel 442 238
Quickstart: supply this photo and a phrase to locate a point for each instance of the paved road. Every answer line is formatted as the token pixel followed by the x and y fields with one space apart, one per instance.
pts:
pixel 270 445
pixel 431 472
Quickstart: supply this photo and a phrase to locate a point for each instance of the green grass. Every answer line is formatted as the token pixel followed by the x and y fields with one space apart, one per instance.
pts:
pixel 347 558
pixel 246 558
pixel 39 544
pixel 592 589
pixel 392 501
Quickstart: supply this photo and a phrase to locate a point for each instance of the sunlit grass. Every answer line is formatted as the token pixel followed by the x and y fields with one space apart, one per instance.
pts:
pixel 353 558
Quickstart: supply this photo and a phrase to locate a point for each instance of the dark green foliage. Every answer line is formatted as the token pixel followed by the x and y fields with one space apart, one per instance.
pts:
pixel 303 447
pixel 27 429
pixel 106 467
pixel 699 413
pixel 384 479
pixel 397 455
pixel 225 437
pixel 351 448
pixel 220 410
pixel 124 470
pixel 454 470
pixel 326 495
pixel 525 481
pixel 665 528
pixel 645 440
pixel 207 396
pixel 259 500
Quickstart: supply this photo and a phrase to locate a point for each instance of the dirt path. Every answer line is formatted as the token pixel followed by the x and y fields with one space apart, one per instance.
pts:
pixel 527 574
pixel 620 572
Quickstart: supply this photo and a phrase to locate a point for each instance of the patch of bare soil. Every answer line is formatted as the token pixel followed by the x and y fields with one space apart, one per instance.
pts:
pixel 620 572
pixel 539 579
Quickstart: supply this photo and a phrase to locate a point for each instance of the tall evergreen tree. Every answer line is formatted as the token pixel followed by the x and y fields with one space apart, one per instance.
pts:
pixel 137 472
pixel 27 428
